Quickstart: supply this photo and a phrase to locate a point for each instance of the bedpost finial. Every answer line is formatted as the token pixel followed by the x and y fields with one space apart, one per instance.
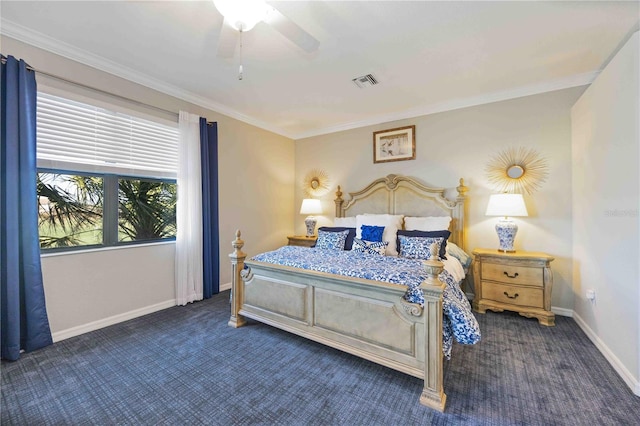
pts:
pixel 338 201
pixel 434 249
pixel 237 243
pixel 462 189
pixel 434 266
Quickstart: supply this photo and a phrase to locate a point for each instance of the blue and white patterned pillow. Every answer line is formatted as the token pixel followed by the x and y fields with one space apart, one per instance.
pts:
pixel 369 247
pixel 372 233
pixel 435 234
pixel 418 247
pixel 350 236
pixel 331 240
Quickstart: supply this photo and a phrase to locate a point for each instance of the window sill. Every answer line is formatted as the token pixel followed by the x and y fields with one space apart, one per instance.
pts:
pixel 99 249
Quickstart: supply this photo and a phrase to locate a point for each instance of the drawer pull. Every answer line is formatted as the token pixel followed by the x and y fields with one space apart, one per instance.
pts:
pixel 511 276
pixel 511 297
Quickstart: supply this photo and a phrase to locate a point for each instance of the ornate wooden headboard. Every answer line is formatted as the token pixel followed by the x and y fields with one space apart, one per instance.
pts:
pixel 396 194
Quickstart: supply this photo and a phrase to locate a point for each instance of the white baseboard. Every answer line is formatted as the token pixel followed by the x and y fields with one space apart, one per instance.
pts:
pixel 96 325
pixel 563 312
pixel 631 381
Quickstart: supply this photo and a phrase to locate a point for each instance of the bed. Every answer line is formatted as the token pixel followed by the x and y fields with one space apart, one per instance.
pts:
pixel 368 318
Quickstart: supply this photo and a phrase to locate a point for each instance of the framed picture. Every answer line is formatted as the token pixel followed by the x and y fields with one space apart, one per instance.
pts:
pixel 394 144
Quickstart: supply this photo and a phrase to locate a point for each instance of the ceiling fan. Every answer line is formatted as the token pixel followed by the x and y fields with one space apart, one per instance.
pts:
pixel 242 15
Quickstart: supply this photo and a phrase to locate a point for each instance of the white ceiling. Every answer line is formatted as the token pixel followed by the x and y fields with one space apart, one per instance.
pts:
pixel 428 56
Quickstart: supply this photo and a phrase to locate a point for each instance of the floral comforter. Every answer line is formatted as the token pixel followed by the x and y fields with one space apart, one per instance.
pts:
pixel 458 322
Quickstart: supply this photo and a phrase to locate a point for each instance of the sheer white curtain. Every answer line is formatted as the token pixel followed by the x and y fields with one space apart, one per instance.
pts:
pixel 189 212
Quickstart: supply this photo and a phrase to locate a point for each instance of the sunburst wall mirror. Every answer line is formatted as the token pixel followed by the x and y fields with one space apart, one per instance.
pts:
pixel 517 170
pixel 316 183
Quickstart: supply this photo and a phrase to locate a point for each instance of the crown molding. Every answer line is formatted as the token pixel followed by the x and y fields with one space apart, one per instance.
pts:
pixel 42 41
pixel 535 89
pixel 23 34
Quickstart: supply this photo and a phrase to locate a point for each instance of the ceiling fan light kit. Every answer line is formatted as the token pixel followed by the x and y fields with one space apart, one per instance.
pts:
pixel 242 15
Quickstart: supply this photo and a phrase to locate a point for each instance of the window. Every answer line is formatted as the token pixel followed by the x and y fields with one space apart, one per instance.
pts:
pixel 146 209
pixel 105 178
pixel 70 210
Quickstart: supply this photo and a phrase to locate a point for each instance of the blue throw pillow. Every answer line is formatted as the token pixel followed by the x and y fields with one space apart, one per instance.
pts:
pixel 372 233
pixel 350 236
pixel 436 234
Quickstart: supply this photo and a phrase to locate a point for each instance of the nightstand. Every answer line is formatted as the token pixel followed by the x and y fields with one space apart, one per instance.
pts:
pixel 301 240
pixel 519 282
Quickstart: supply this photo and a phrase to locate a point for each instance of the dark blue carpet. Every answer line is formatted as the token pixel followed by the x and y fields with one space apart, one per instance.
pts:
pixel 184 365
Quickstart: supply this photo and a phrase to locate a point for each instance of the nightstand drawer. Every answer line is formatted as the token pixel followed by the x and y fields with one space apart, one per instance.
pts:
pixel 513 294
pixel 512 274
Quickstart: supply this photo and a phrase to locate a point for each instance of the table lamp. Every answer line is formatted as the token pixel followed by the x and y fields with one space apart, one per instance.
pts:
pixel 506 205
pixel 310 206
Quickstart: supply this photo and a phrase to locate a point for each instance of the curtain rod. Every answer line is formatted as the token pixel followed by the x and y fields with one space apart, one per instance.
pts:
pixel 95 89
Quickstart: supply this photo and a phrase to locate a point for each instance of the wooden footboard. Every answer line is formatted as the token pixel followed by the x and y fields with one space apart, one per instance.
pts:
pixel 369 319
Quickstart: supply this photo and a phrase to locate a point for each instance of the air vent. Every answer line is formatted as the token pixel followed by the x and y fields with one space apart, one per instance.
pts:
pixel 365 81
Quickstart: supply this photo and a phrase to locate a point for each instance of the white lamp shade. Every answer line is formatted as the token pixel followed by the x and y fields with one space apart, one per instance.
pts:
pixel 245 13
pixel 311 206
pixel 506 205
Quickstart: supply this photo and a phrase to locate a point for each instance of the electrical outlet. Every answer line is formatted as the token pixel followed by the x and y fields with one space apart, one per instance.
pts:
pixel 591 295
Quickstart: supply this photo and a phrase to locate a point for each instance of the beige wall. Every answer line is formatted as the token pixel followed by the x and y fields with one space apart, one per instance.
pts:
pixel 459 144
pixel 256 194
pixel 606 197
pixel 88 289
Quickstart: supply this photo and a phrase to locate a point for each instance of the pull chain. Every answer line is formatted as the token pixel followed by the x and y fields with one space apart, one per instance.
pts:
pixel 240 70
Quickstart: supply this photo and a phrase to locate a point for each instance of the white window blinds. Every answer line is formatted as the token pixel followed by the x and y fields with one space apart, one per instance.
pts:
pixel 73 132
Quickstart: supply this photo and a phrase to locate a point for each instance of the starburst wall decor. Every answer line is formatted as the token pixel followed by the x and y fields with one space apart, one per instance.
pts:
pixel 517 170
pixel 316 183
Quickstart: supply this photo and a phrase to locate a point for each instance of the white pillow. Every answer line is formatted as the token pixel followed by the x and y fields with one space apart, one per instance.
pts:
pixel 345 222
pixel 391 225
pixel 430 223
pixel 459 254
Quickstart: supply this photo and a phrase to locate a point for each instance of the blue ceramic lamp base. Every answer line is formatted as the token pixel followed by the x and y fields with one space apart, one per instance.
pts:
pixel 507 231
pixel 310 223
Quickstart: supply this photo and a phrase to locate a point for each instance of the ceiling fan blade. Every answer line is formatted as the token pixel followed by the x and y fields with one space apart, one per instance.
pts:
pixel 290 30
pixel 227 40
